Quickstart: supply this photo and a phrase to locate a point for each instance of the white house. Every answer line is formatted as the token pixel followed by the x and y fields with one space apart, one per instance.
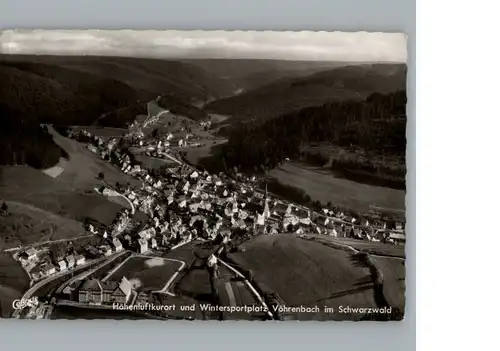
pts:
pixel 143 245
pixel 49 269
pixel 182 202
pixel 117 245
pixel 62 265
pixel 31 253
pixel 107 250
pixel 154 243
pixel 212 261
pixel 79 260
pixel 147 233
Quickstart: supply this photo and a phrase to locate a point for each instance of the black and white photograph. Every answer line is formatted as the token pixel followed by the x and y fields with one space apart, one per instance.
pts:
pixel 202 175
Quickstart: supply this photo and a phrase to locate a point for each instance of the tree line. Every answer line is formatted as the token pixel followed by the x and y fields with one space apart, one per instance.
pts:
pixel 377 126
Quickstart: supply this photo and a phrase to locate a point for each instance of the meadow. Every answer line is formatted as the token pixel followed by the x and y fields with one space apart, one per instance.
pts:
pixel 323 186
pixel 305 273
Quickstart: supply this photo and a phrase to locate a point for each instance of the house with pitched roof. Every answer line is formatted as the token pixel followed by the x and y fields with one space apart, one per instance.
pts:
pixel 142 245
pixel 94 291
pixel 62 265
pixel 79 260
pixel 31 254
pixel 70 261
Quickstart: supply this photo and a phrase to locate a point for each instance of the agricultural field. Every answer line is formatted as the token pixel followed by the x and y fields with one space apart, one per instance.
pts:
pixel 323 186
pixel 81 170
pixel 146 273
pixel 26 185
pixel 194 153
pixel 26 224
pixel 13 283
pixel 305 273
pixel 154 162
pixel 362 245
pixel 67 189
pixel 195 283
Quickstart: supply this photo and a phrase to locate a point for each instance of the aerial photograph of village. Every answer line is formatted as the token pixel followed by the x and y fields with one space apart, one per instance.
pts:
pixel 198 175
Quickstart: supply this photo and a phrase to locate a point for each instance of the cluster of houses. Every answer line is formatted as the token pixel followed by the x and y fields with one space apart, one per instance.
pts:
pixel 184 203
pixel 39 264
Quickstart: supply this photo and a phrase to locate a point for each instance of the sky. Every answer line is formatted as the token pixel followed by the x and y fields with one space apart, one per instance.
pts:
pixel 307 46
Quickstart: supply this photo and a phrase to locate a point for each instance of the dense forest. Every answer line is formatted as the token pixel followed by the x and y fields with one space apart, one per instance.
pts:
pixel 60 91
pixel 31 94
pixel 48 94
pixel 22 142
pixel 291 94
pixel 374 128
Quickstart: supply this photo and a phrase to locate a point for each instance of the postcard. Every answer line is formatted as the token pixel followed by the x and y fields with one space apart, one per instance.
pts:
pixel 202 175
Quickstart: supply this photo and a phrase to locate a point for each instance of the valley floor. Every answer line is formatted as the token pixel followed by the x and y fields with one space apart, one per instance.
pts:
pixel 323 186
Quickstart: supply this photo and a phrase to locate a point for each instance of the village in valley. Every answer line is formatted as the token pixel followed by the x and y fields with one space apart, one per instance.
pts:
pixel 176 205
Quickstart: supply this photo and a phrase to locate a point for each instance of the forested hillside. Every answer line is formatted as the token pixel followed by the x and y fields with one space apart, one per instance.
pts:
pixel 371 134
pixel 88 90
pixel 292 94
pixel 249 74
pixel 22 142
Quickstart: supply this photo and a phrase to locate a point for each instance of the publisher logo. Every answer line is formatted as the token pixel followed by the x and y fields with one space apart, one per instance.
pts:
pixel 23 303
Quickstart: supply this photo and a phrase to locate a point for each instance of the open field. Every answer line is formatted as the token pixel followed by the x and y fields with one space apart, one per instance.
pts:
pixel 13 283
pixel 26 224
pixel 194 154
pixel 195 284
pixel 308 274
pixel 27 185
pixel 166 120
pixel 146 273
pixel 218 118
pixel 362 245
pixel 154 162
pixel 81 171
pixel 68 193
pixel 321 185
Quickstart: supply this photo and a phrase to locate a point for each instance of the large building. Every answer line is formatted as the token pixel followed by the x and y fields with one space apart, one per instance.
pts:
pixel 94 291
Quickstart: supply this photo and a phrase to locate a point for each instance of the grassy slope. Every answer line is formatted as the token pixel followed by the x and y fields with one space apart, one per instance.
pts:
pixel 321 185
pixel 30 186
pixel 291 94
pixel 26 224
pixel 83 166
pixel 307 273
